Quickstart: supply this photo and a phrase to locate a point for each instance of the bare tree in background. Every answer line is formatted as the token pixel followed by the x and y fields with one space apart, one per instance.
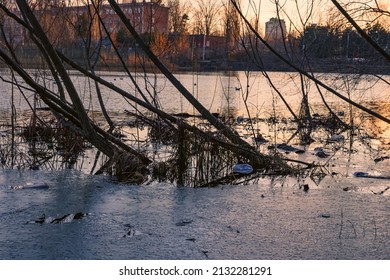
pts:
pixel 206 16
pixel 232 27
pixel 178 16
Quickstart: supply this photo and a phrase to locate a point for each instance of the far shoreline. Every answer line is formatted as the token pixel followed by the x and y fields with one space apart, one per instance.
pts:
pixel 324 66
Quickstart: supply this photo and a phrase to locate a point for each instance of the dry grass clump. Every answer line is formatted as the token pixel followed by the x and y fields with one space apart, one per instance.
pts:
pixel 125 168
pixel 39 131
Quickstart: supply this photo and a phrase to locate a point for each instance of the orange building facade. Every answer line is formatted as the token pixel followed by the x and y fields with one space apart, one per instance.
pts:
pixel 67 21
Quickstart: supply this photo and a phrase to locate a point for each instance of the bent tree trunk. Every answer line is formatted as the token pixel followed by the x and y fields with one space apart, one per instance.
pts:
pixel 239 146
pixel 231 135
pixel 75 112
pixel 75 116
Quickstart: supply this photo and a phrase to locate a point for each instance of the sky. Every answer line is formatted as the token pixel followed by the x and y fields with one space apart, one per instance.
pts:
pixel 320 8
pixel 288 10
pixel 296 11
pixel 267 8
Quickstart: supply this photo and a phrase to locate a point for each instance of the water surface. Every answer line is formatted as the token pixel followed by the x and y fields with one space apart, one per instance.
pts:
pixel 271 219
pixel 340 217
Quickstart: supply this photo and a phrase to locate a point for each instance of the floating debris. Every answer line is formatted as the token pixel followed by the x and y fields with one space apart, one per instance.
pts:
pixel 243 168
pixel 381 192
pixel 288 149
pixel 240 119
pixel 28 187
pixel 305 187
pixel 206 253
pixel 233 229
pixel 341 113
pixel 4 133
pixel 191 239
pixel 336 138
pixel 61 220
pixel 347 189
pixel 131 231
pixel 360 174
pixel 381 159
pixel 259 139
pixel 183 223
pixel 319 152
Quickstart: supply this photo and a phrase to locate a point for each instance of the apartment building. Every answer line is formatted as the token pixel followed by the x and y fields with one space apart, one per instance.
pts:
pixel 67 21
pixel 275 30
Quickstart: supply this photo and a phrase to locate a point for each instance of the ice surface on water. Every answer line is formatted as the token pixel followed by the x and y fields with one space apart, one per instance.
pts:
pixel 267 220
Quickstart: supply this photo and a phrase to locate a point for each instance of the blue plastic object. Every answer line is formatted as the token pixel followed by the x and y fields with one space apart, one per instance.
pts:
pixel 242 168
pixel 360 174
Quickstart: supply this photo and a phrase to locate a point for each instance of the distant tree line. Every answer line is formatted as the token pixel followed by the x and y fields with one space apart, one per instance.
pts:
pixel 326 42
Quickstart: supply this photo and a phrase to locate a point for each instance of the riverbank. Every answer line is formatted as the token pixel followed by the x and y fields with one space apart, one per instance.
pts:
pixel 237 62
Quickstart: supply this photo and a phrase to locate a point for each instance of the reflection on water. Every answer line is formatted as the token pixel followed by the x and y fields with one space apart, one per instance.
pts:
pixel 339 217
pixel 272 219
pixel 214 90
pixel 379 129
pixel 231 94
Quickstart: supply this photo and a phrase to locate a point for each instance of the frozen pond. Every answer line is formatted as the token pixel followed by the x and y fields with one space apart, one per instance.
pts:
pixel 270 219
pixel 339 217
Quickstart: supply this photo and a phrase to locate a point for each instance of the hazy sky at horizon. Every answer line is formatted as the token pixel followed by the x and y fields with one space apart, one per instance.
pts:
pixel 297 11
pixel 288 9
pixel 292 11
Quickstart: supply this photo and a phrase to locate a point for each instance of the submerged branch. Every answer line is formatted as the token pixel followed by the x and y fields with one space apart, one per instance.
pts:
pixel 232 135
pixel 259 160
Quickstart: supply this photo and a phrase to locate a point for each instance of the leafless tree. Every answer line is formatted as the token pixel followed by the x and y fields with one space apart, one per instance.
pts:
pixel 70 110
pixel 206 17
pixel 232 27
